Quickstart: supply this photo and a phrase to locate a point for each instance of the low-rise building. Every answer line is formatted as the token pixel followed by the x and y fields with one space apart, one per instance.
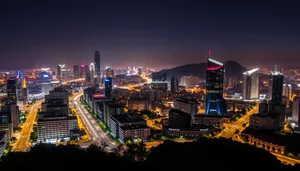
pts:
pixel 186 105
pixel 52 129
pixel 213 120
pixel 193 132
pixel 270 121
pixel 268 141
pixel 129 127
pixel 137 105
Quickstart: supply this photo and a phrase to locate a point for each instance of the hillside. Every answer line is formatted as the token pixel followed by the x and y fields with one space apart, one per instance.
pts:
pixel 232 68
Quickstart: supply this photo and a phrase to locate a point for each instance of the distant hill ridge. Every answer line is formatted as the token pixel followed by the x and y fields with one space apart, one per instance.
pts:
pixel 232 69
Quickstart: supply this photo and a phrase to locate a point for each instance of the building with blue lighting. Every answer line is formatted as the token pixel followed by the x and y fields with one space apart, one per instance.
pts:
pixel 215 103
pixel 108 87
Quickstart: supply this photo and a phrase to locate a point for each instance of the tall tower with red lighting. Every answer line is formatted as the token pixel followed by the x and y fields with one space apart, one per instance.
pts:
pixel 215 103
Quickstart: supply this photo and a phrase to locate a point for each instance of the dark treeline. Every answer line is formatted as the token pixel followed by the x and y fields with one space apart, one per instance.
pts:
pixel 207 154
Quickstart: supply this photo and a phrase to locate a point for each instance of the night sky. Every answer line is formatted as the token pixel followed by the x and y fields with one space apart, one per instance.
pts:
pixel 149 33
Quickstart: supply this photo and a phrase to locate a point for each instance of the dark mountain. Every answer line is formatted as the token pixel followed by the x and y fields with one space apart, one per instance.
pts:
pixel 232 68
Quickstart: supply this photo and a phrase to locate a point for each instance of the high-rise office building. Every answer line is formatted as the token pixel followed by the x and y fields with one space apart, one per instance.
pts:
pixel 76 71
pixel 296 111
pixel 25 91
pixel 108 87
pixel 81 71
pixel 87 73
pixel 275 87
pixel 174 84
pixel 62 71
pixel 11 90
pixel 159 76
pixel 46 86
pixel 92 73
pixel 54 122
pixel 215 103
pixel 251 85
pixel 287 91
pixel 109 72
pixel 97 64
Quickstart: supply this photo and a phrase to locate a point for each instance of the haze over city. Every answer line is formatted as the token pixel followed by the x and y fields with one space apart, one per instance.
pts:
pixel 148 33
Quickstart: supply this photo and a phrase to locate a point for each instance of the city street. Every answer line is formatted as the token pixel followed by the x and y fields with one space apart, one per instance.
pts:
pixel 96 133
pixel 22 141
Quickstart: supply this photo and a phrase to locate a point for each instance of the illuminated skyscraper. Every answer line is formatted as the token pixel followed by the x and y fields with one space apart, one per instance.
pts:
pixel 108 87
pixel 287 91
pixel 174 84
pixel 251 85
pixel 76 71
pixel 296 111
pixel 275 87
pixel 92 73
pixel 97 64
pixel 46 86
pixel 62 71
pixel 215 103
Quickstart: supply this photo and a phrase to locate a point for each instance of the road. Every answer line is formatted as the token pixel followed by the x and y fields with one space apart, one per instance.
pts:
pixel 238 125
pixel 96 133
pixel 22 144
pixel 230 128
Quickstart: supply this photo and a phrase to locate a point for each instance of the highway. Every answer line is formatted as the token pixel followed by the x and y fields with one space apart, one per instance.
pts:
pixel 96 133
pixel 22 144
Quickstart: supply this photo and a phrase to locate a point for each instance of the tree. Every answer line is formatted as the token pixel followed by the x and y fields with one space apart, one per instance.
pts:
pixel 82 132
pixel 243 111
pixel 136 151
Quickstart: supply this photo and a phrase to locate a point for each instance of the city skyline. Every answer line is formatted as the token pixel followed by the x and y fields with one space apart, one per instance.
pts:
pixel 148 34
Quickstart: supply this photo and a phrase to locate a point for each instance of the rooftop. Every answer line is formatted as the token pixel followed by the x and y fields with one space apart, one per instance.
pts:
pixel 129 127
pixel 251 71
pixel 113 104
pixel 125 118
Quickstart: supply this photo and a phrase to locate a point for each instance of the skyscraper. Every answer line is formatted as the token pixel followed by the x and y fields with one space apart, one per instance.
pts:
pixel 287 91
pixel 81 71
pixel 296 111
pixel 275 87
pixel 46 86
pixel 87 73
pixel 215 103
pixel 108 87
pixel 62 71
pixel 97 64
pixel 251 85
pixel 11 90
pixel 174 84
pixel 76 71
pixel 92 73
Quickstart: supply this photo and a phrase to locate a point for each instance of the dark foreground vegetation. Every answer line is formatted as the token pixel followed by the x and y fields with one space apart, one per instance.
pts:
pixel 207 154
